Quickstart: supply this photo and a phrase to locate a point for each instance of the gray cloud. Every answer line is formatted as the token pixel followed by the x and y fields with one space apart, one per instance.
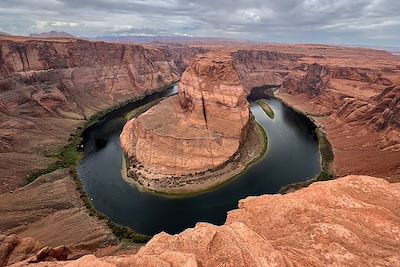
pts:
pixel 368 22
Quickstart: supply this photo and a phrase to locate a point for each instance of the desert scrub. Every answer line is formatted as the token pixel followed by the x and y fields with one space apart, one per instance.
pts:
pixel 67 156
pixel 327 156
pixel 267 109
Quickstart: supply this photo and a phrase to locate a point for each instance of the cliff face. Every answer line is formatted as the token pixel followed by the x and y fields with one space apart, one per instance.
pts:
pixel 353 94
pixel 259 68
pixel 78 76
pixel 198 130
pixel 206 127
pixel 355 223
pixel 48 88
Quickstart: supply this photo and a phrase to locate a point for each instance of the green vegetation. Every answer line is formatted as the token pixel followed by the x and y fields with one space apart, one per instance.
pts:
pixel 139 110
pixel 267 109
pixel 68 157
pixel 65 157
pixel 327 156
pixel 265 144
pixel 121 232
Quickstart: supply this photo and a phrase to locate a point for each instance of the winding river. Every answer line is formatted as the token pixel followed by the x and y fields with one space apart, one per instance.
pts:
pixel 292 156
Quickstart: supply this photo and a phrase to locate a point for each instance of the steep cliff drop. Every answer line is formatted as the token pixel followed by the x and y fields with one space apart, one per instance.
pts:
pixel 49 87
pixel 351 221
pixel 195 140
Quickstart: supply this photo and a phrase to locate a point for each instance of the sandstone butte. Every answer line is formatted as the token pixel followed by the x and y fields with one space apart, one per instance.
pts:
pixel 199 130
pixel 351 221
pixel 50 87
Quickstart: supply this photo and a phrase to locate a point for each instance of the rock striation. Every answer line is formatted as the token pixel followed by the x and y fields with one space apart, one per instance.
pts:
pixel 14 249
pixel 356 99
pixel 50 212
pixel 50 87
pixel 351 221
pixel 199 130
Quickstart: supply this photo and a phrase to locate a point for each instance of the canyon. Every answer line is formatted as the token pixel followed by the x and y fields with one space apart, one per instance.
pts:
pixel 324 224
pixel 49 88
pixel 200 130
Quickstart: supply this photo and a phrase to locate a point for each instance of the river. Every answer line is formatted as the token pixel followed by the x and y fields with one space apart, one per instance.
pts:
pixel 292 156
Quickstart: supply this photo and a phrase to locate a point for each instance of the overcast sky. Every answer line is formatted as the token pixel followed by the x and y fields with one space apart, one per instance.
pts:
pixel 359 22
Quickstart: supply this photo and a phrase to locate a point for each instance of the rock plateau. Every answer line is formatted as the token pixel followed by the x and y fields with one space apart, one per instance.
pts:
pixel 351 221
pixel 200 130
pixel 50 87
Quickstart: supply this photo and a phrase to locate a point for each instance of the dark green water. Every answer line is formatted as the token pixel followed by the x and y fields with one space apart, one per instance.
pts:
pixel 292 156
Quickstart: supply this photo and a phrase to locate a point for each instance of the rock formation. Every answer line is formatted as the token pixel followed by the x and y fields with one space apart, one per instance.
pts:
pixel 14 250
pixel 52 34
pixel 199 130
pixel 351 221
pixel 50 210
pixel 355 98
pixel 49 87
pixel 264 68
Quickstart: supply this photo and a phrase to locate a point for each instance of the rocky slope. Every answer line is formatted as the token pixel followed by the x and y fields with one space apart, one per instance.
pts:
pixel 14 249
pixel 356 99
pixel 264 68
pixel 199 130
pixel 49 87
pixel 351 221
pixel 50 210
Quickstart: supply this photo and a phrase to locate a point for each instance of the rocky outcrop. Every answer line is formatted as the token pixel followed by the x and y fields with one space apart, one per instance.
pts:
pixel 313 83
pixel 353 94
pixel 314 79
pixel 264 68
pixel 50 211
pixel 49 87
pixel 199 130
pixel 14 249
pixel 351 221
pixel 386 113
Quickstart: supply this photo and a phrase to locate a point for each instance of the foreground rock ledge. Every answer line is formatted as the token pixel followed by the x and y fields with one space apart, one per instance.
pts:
pixel 351 221
pixel 175 145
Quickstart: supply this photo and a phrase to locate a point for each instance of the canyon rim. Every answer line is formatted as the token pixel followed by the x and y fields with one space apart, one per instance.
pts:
pixel 71 107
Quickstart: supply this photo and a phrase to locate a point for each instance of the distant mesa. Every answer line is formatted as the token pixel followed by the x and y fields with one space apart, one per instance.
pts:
pixel 52 34
pixel 4 33
pixel 166 39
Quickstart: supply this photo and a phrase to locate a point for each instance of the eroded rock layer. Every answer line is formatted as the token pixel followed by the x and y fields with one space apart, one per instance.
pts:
pixel 351 221
pixel 198 130
pixel 49 87
pixel 354 95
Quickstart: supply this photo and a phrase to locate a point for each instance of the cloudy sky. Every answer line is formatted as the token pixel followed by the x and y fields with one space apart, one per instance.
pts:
pixel 357 22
